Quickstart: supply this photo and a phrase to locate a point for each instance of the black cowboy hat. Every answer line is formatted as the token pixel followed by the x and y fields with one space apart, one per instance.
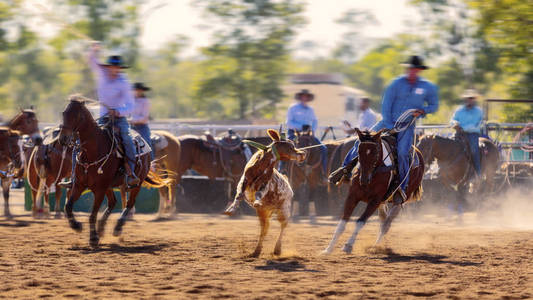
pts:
pixel 115 60
pixel 298 95
pixel 416 62
pixel 140 86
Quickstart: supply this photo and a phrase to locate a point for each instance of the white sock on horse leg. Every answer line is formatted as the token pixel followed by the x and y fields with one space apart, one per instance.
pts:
pixel 338 231
pixel 358 226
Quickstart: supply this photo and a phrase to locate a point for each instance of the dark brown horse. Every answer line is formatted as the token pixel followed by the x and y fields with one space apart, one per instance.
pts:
pixel 24 122
pixel 455 167
pixel 46 165
pixel 306 176
pixel 370 184
pixel 98 168
pixel 10 162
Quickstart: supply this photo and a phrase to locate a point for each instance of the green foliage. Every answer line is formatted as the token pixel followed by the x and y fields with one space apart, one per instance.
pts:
pixel 245 66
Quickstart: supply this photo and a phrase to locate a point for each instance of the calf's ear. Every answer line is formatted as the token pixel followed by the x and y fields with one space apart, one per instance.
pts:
pixel 274 135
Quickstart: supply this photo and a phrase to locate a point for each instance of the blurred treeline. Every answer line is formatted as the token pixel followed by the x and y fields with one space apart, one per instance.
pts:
pixel 485 44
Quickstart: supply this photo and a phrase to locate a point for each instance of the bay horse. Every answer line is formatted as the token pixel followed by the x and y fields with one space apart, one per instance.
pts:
pixel 455 167
pixel 306 176
pixel 370 184
pixel 46 165
pixel 98 169
pixel 25 122
pixel 266 189
pixel 190 152
pixel 10 162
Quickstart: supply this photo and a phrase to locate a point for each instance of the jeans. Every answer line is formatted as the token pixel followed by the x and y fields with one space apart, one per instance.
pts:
pixel 404 141
pixel 144 131
pixel 129 148
pixel 323 152
pixel 473 141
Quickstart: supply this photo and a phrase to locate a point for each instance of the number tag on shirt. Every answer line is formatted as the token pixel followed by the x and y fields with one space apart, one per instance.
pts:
pixel 419 91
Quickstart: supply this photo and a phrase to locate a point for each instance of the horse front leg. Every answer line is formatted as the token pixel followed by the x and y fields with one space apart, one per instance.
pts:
pixel 6 184
pixel 349 205
pixel 111 202
pixel 98 198
pixel 75 194
pixel 57 210
pixel 359 224
pixel 124 215
pixel 386 219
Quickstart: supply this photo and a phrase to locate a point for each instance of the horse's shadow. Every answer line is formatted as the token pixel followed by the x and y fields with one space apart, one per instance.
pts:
pixel 430 258
pixel 283 265
pixel 122 249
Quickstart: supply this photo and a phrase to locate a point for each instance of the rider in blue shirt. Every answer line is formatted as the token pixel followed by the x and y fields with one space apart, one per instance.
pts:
pixel 468 118
pixel 299 115
pixel 404 93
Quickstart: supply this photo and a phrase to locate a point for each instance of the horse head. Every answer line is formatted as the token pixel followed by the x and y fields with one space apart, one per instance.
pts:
pixel 26 122
pixel 75 116
pixel 425 145
pixel 370 154
pixel 9 148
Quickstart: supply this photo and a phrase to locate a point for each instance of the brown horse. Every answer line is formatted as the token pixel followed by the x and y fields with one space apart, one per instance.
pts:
pixel 306 176
pixel 455 168
pixel 10 162
pixel 98 168
pixel 370 184
pixel 24 122
pixel 46 165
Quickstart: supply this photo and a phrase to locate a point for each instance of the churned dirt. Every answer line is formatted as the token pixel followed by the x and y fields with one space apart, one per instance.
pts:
pixel 204 256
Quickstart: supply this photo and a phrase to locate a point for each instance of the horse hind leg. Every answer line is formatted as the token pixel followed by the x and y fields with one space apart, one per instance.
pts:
pixel 111 202
pixel 386 220
pixel 124 215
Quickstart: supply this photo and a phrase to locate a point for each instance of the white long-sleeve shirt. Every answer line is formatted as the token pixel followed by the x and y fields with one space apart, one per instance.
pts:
pixel 112 93
pixel 141 111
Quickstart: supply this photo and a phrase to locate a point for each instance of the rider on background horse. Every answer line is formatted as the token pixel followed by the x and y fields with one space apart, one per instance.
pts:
pixel 302 115
pixel 140 115
pixel 116 102
pixel 406 92
pixel 467 121
pixel 366 119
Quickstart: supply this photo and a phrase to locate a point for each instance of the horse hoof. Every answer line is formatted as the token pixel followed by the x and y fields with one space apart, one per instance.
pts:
pixel 77 226
pixel 347 249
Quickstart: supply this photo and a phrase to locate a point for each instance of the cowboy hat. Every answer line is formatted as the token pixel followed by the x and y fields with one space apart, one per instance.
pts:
pixel 116 61
pixel 415 62
pixel 298 95
pixel 470 93
pixel 140 86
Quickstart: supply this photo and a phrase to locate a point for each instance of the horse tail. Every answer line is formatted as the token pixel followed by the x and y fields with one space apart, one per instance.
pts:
pixel 154 180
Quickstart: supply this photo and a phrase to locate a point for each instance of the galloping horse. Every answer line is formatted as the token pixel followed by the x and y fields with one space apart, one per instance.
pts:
pixel 46 165
pixel 455 168
pixel 10 162
pixel 98 168
pixel 306 176
pixel 370 184
pixel 24 122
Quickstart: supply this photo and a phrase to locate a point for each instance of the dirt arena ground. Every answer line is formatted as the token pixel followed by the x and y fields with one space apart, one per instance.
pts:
pixel 204 256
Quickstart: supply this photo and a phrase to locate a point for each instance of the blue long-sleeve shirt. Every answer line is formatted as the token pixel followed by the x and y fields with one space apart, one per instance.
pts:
pixel 112 93
pixel 401 95
pixel 469 118
pixel 299 115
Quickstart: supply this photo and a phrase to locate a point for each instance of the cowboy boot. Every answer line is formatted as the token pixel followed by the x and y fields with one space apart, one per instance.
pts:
pixel 343 173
